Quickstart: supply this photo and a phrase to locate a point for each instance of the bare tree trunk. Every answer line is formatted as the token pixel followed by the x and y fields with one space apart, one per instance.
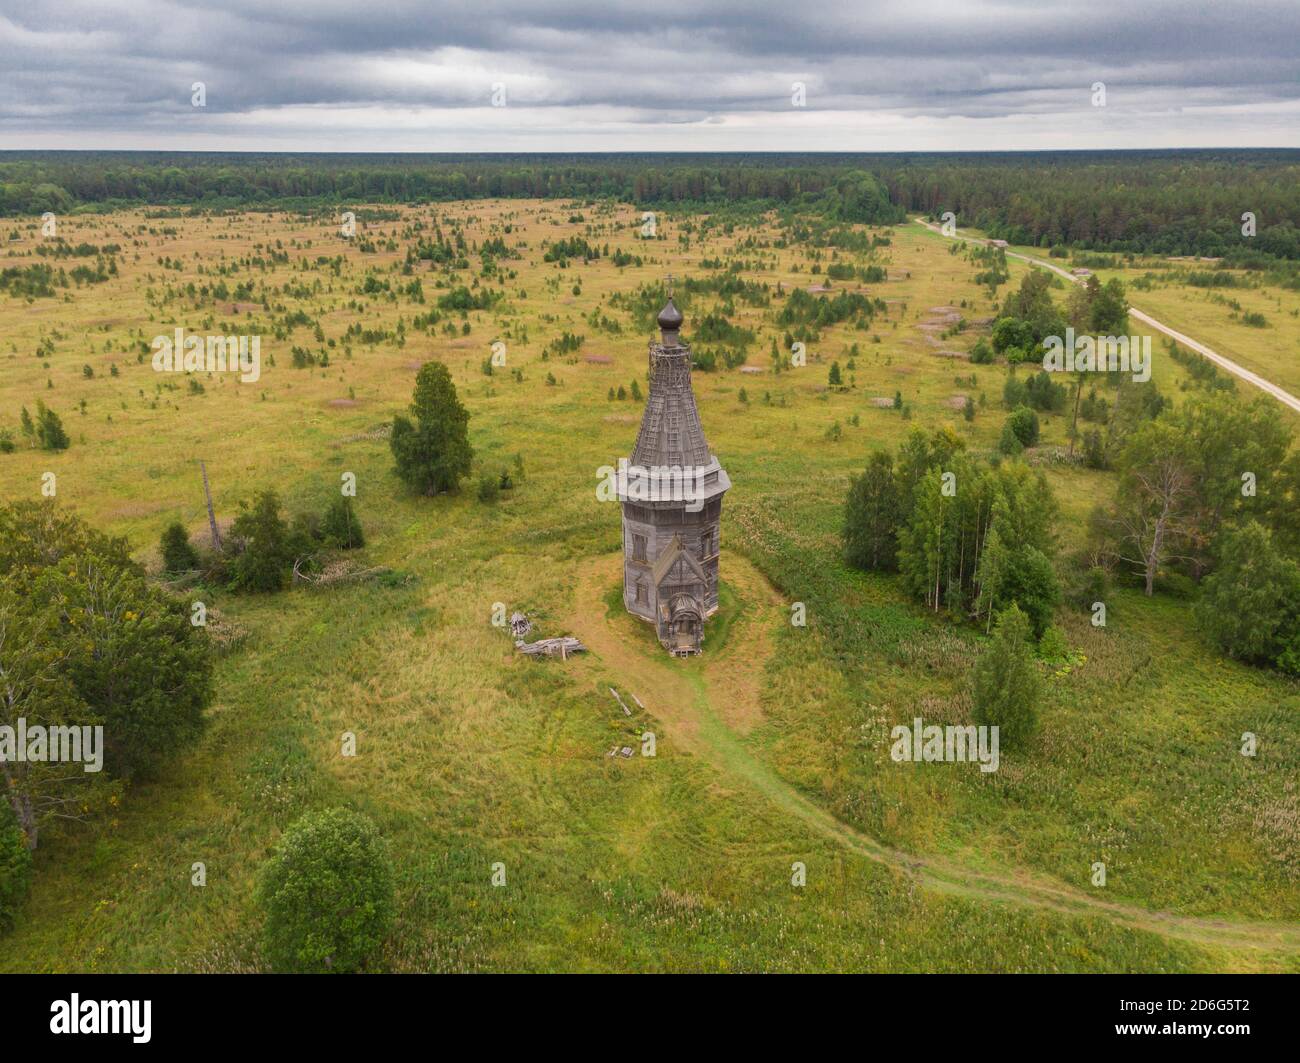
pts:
pixel 961 564
pixel 212 516
pixel 938 568
pixel 1153 555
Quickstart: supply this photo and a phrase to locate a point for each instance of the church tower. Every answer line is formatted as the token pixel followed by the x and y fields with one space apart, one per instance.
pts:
pixel 672 503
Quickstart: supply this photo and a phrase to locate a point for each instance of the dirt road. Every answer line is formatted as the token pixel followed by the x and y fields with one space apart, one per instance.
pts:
pixel 1232 367
pixel 702 705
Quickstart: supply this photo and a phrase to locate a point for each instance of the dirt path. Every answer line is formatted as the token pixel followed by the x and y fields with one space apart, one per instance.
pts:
pixel 1282 396
pixel 696 701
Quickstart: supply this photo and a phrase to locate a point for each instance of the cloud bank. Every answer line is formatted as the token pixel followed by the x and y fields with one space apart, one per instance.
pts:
pixel 881 76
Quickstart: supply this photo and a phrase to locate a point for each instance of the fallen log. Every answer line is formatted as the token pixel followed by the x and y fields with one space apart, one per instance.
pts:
pixel 621 704
pixel 558 647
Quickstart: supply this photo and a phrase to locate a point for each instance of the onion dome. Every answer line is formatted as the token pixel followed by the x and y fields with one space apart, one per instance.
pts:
pixel 670 318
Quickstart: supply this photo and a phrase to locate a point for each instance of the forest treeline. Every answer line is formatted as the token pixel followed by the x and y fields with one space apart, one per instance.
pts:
pixel 1170 202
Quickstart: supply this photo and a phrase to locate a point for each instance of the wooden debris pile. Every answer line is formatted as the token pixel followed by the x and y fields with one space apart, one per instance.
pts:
pixel 625 752
pixel 561 647
pixel 382 431
pixel 336 572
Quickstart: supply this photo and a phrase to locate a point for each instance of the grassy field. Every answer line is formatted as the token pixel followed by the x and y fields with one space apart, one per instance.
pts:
pixel 1254 322
pixel 771 748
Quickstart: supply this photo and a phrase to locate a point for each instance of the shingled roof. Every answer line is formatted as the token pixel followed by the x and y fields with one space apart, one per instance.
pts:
pixel 670 429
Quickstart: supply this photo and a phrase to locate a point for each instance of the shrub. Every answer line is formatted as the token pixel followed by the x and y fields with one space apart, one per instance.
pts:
pixel 1024 422
pixel 1052 646
pixel 340 527
pixel 306 529
pixel 327 893
pixel 1014 392
pixel 1094 450
pixel 1250 605
pixel 1007 683
pixel 872 515
pixel 177 553
pixel 132 662
pixel 1289 659
pixel 1029 581
pixel 15 867
pixel 1091 586
pixel 489 488
pixel 1044 393
pixel 1009 443
pixel 1009 332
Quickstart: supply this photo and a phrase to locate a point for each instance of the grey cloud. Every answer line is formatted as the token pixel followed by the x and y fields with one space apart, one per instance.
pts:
pixel 618 75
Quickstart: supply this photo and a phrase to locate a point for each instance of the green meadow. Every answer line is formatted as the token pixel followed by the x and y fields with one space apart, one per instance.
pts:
pixel 771 749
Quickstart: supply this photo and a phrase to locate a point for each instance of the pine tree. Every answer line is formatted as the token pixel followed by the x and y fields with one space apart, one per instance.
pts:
pixel 267 557
pixel 177 553
pixel 433 454
pixel 340 527
pixel 49 429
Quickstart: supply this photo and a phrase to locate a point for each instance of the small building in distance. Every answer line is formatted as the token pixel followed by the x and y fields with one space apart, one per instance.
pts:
pixel 671 494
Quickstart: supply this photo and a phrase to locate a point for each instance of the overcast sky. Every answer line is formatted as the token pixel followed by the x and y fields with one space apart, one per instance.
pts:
pixel 325 75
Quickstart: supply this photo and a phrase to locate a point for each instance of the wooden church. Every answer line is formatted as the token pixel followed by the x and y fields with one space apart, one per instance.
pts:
pixel 672 503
